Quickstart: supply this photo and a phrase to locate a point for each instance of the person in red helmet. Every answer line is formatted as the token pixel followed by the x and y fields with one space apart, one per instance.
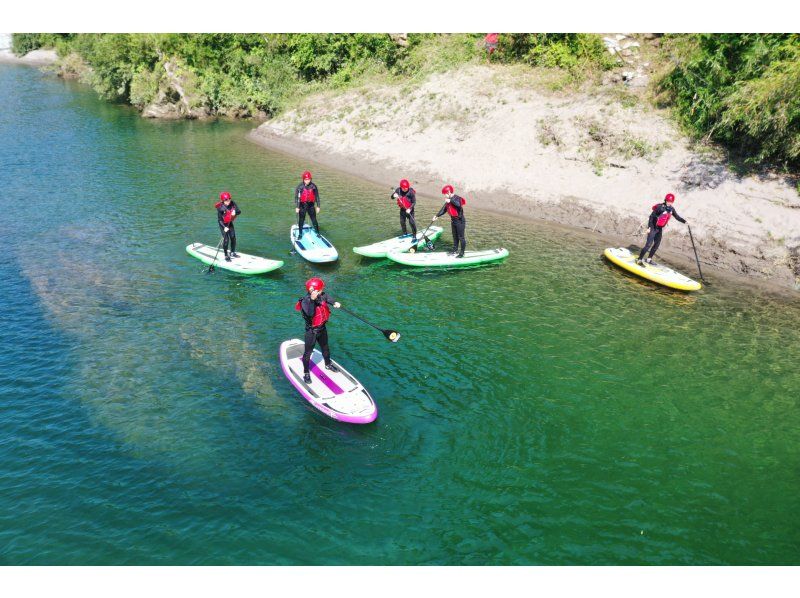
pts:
pixel 454 205
pixel 306 201
pixel 314 307
pixel 659 216
pixel 227 211
pixel 406 199
pixel 490 42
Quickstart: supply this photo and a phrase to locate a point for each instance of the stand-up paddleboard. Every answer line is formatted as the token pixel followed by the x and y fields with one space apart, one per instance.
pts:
pixel 313 247
pixel 440 259
pixel 337 394
pixel 623 258
pixel 244 264
pixel 401 243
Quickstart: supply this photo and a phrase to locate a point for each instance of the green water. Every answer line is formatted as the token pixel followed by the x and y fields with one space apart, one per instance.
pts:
pixel 550 410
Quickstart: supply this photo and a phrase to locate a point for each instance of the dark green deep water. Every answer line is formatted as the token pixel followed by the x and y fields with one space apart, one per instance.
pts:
pixel 551 410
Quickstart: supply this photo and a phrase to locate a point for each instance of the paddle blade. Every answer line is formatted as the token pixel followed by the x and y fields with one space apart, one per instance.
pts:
pixel 391 335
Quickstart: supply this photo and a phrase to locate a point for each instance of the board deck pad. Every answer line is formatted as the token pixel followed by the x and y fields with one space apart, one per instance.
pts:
pixel 440 259
pixel 312 246
pixel 338 395
pixel 622 257
pixel 400 243
pixel 244 264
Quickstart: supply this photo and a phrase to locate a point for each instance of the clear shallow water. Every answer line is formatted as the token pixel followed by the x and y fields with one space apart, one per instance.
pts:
pixel 551 410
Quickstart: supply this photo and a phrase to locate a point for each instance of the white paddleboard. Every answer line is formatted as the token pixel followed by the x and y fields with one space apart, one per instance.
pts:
pixel 336 394
pixel 401 243
pixel 244 264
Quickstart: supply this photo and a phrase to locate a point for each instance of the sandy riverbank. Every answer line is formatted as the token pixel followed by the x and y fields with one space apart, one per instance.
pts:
pixel 594 161
pixel 34 58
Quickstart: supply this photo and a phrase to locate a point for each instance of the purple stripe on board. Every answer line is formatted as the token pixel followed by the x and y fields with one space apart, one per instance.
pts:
pixel 332 386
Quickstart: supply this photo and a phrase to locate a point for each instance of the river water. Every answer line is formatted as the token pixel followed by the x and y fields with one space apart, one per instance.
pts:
pixel 550 410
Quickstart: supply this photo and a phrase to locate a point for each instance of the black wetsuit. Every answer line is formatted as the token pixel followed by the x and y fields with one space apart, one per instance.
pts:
pixel 411 196
pixel 314 334
pixel 458 224
pixel 230 236
pixel 654 236
pixel 306 206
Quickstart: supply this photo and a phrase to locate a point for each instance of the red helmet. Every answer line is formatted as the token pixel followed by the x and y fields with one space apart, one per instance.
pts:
pixel 224 196
pixel 306 175
pixel 404 185
pixel 447 189
pixel 314 284
pixel 669 198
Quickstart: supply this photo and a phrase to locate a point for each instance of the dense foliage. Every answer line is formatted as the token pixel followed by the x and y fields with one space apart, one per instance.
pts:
pixel 564 50
pixel 250 73
pixel 741 90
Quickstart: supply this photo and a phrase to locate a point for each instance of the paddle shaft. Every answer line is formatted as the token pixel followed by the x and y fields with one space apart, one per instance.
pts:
pixel 697 259
pixel 391 335
pixel 416 241
pixel 360 318
pixel 214 261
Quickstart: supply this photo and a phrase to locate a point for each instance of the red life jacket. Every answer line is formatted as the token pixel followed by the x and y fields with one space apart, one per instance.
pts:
pixel 403 201
pixel 307 195
pixel 322 313
pixel 453 211
pixel 229 216
pixel 663 219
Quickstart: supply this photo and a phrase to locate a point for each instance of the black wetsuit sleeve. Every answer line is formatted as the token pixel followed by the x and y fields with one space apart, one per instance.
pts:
pixel 221 215
pixel 442 211
pixel 456 201
pixel 412 197
pixel 236 210
pixel 307 306
pixel 678 218
pixel 316 194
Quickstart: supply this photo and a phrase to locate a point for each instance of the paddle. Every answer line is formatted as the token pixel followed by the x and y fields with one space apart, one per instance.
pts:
pixel 391 335
pixel 691 237
pixel 211 268
pixel 428 243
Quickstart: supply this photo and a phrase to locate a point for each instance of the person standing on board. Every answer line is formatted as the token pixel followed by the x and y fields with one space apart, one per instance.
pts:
pixel 406 199
pixel 659 217
pixel 306 200
pixel 314 307
pixel 227 211
pixel 454 205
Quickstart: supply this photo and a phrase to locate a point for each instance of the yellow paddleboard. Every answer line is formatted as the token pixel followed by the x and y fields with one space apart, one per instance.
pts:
pixel 623 258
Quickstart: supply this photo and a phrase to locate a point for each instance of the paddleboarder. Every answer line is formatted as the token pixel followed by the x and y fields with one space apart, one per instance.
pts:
pixel 659 217
pixel 454 205
pixel 227 211
pixel 314 307
pixel 306 201
pixel 406 199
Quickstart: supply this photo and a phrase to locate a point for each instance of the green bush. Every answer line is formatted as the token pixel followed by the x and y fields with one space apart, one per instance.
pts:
pixel 741 90
pixel 22 43
pixel 572 51
pixel 144 87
